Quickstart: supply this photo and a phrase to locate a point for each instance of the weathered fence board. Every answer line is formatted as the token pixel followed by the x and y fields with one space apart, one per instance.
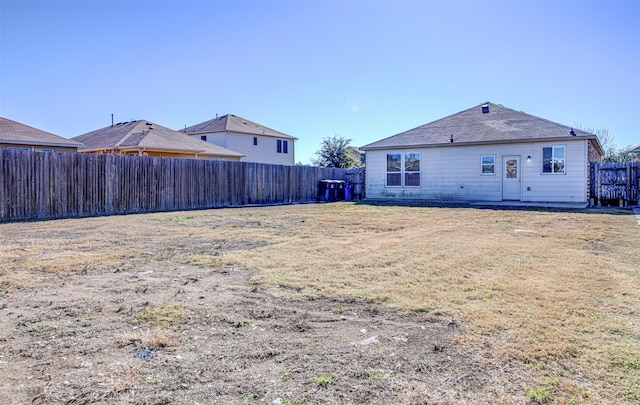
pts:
pixel 59 185
pixel 614 183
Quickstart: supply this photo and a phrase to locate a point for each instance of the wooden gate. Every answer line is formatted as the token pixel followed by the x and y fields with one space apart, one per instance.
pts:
pixel 614 183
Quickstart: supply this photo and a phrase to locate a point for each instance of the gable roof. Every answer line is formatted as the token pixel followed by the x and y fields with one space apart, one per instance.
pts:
pixel 232 123
pixel 143 134
pixel 15 132
pixel 475 126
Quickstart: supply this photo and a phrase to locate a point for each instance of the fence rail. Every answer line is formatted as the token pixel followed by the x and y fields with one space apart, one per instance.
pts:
pixel 614 183
pixel 59 185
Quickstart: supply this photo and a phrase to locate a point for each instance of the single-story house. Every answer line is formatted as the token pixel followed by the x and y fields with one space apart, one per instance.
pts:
pixel 486 153
pixel 144 138
pixel 258 143
pixel 17 136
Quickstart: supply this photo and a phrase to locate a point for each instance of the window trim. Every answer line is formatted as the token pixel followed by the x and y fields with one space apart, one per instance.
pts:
pixel 398 172
pixel 482 165
pixel 418 172
pixel 403 169
pixel 564 166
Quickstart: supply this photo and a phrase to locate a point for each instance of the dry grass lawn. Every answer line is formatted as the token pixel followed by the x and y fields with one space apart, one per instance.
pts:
pixel 553 293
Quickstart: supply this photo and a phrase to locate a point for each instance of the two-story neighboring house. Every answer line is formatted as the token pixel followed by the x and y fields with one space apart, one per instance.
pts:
pixel 258 143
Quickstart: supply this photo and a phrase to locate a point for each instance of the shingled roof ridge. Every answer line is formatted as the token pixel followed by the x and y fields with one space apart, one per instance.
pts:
pixel 431 122
pixel 202 125
pixel 34 135
pixel 29 126
pixel 246 121
pixel 130 132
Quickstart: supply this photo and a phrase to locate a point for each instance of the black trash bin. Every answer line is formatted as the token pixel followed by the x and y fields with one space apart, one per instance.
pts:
pixel 331 190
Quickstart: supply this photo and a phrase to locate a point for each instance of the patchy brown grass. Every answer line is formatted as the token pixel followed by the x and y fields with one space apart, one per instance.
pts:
pixel 555 292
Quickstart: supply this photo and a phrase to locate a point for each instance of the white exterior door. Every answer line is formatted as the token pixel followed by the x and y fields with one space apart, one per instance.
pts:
pixel 511 178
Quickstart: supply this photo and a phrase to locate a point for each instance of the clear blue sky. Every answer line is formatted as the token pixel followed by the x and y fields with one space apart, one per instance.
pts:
pixel 365 70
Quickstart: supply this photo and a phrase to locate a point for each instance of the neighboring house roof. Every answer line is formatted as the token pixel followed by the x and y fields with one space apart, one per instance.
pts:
pixel 633 149
pixel 232 123
pixel 143 134
pixel 482 124
pixel 15 132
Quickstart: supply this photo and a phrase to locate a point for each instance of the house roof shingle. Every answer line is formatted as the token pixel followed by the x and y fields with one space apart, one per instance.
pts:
pixel 147 135
pixel 232 123
pixel 15 132
pixel 634 149
pixel 473 126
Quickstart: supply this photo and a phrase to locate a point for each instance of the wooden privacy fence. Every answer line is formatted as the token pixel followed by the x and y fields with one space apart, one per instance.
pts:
pixel 59 185
pixel 614 183
pixel 356 177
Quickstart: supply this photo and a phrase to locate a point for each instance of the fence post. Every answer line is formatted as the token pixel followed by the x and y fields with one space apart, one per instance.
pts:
pixel 628 185
pixel 598 187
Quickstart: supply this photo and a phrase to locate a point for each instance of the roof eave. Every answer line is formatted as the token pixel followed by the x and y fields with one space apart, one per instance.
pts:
pixel 35 143
pixel 496 142
pixel 281 136
pixel 226 131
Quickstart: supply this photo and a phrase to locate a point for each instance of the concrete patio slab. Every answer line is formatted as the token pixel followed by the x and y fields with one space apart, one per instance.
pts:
pixel 575 206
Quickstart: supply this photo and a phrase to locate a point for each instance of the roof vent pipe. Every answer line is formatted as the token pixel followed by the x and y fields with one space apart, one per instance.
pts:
pixel 451 140
pixel 485 108
pixel 572 132
pixel 111 119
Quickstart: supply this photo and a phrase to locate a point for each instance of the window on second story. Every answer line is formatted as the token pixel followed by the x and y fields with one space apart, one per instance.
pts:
pixel 255 140
pixel 279 146
pixel 203 138
pixel 285 146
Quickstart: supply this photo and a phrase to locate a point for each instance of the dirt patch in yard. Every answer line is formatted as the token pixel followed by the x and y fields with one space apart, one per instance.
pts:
pixel 322 304
pixel 187 334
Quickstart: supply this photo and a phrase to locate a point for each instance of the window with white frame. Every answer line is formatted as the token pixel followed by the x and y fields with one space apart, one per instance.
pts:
pixel 488 163
pixel 412 169
pixel 553 159
pixel 394 169
pixel 403 169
